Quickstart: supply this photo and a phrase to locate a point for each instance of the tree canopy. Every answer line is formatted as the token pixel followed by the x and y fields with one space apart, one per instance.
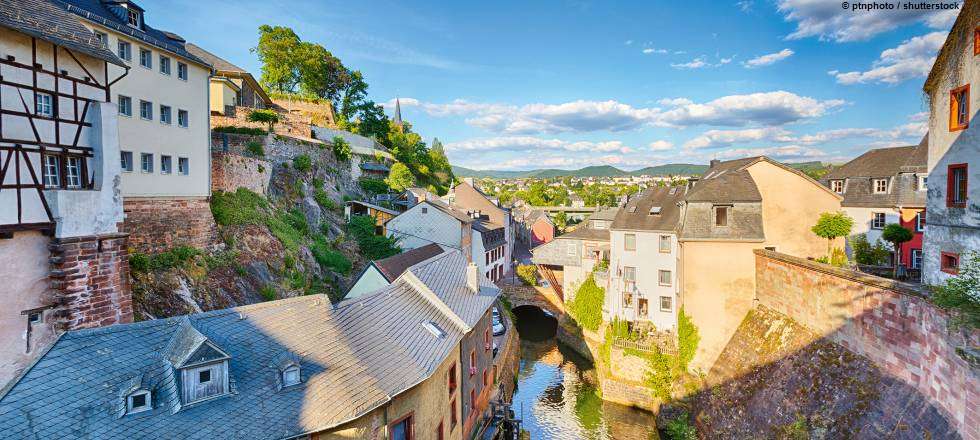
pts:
pixel 290 65
pixel 400 177
pixel 831 225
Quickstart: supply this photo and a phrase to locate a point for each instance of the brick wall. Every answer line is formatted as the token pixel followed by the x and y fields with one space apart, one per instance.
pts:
pixel 231 171
pixel 90 280
pixel 890 323
pixel 157 225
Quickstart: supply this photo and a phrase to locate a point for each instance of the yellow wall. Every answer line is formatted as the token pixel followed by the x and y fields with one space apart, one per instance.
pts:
pixel 428 400
pixel 719 277
pixel 222 94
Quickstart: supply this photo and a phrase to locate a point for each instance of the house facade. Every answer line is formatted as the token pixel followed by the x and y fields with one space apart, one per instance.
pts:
pixel 433 222
pixel 164 130
pixel 885 186
pixel 230 86
pixel 466 197
pixel 568 260
pixel 953 220
pixel 385 365
pixel 63 256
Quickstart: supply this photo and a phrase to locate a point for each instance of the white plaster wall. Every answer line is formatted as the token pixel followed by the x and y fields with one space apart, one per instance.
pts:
pixel 80 213
pixel 151 136
pixel 648 261
pixel 369 281
pixel 413 229
pixel 862 222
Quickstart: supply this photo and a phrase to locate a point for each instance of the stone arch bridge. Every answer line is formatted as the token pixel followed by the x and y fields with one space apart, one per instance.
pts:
pixel 543 298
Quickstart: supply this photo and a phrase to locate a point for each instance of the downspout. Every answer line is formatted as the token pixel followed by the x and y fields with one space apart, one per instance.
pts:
pixel 207 111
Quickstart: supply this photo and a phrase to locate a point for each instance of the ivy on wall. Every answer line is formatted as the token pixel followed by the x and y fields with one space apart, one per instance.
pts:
pixel 586 307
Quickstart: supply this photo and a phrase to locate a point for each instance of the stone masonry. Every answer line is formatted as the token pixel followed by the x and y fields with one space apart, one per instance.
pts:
pixel 90 281
pixel 890 323
pixel 157 225
pixel 230 171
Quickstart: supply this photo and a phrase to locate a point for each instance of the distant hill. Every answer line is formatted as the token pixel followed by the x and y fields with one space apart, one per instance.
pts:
pixel 674 169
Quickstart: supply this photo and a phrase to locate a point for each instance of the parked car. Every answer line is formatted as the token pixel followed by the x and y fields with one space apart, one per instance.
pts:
pixel 498 324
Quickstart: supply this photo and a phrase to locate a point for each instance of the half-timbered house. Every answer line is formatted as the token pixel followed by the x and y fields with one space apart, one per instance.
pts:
pixel 63 259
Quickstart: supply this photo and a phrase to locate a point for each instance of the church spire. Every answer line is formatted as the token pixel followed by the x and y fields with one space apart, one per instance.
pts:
pixel 398 112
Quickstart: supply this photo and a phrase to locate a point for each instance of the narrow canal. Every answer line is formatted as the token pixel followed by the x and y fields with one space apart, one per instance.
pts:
pixel 557 396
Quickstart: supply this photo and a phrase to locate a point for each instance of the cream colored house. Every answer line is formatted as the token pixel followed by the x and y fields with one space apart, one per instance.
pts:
pixel 231 86
pixel 163 102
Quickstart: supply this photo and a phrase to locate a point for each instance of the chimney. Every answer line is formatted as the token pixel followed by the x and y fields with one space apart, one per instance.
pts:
pixel 714 162
pixel 472 277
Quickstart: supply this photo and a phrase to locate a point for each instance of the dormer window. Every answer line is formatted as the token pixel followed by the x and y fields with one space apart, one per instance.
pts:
pixel 205 382
pixel 291 376
pixel 879 186
pixel 134 18
pixel 139 401
pixel 837 186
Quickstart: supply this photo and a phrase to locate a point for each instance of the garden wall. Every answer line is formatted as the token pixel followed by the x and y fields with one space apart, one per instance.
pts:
pixel 890 323
pixel 231 171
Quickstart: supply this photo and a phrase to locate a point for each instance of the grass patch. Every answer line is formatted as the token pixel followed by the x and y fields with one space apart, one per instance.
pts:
pixel 173 258
pixel 303 163
pixel 242 207
pixel 329 257
pixel 289 227
pixel 324 200
pixel 255 149
pixel 268 292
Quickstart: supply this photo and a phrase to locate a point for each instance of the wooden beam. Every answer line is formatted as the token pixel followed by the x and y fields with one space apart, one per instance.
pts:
pixel 85 69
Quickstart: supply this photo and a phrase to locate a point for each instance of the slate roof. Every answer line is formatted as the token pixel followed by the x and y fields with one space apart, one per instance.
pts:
pixel 395 265
pixel 726 182
pixel 641 213
pixel 605 214
pixel 99 12
pixel 48 21
pixel 353 356
pixel 457 214
pixel 491 233
pixel 898 164
pixel 584 232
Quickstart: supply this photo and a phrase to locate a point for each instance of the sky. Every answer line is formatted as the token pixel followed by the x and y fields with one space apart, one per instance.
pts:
pixel 567 84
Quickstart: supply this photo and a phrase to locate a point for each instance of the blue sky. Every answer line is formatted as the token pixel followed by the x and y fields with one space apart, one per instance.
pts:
pixel 565 84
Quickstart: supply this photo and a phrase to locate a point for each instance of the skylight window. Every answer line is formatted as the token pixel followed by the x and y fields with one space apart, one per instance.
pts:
pixel 290 376
pixel 655 210
pixel 434 328
pixel 138 401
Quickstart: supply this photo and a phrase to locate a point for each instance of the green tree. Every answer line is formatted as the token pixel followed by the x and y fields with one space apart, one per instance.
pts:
pixel 896 235
pixel 961 294
pixel 371 245
pixel 265 117
pixel 321 75
pixel 341 149
pixel 400 177
pixel 561 221
pixel 277 49
pixel 832 225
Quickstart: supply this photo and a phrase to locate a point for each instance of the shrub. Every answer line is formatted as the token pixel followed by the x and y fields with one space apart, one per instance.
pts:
pixel 586 307
pixel 865 253
pixel 372 246
pixel 255 148
pixel 240 130
pixel 660 375
pixel 242 207
pixel 324 200
pixel 303 163
pixel 264 116
pixel 139 262
pixel 267 292
pixel 528 273
pixel 341 149
pixel 687 339
pixel 373 186
pixel 169 259
pixel 961 294
pixel 328 257
pixel 680 428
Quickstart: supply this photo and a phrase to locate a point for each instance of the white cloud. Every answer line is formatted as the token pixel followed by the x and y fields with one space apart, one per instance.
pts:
pixel 784 153
pixel 628 42
pixel 770 108
pixel 724 138
pixel 696 63
pixel 529 143
pixel 661 145
pixel 769 59
pixel 744 5
pixel 827 20
pixel 651 50
pixel 911 59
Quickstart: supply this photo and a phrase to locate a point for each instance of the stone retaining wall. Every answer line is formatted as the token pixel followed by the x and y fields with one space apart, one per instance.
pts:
pixel 232 171
pixel 157 225
pixel 890 323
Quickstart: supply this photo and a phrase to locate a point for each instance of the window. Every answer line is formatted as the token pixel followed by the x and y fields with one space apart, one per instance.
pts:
pixel 956 186
pixel 52 171
pixel 42 105
pixel 950 263
pixel 627 300
pixel 473 400
pixel 146 110
pixel 166 164
pixel 146 162
pixel 629 277
pixel 182 71
pixel 664 278
pixel 73 172
pixel 643 307
pixel 453 418
pixel 923 180
pixel 425 210
pixel 103 38
pixel 916 259
pixel 572 250
pixel 204 382
pixel 290 376
pixel 138 401
pixel 665 244
pixel 165 114
pixel 472 363
pixel 920 221
pixel 402 429
pixel 183 168
pixel 125 51
pixel 487 340
pixel 164 65
pixel 126 161
pixel 666 304
pixel 879 186
pixel 125 105
pixel 721 216
pixel 837 186
pixel 182 119
pixel 133 18
pixel 959 108
pixel 877 220
pixel 629 242
pixel 976 41
pixel 486 378
pixel 452 379
pixel 146 58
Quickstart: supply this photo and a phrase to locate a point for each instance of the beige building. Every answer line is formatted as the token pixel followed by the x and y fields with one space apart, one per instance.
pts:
pixel 736 207
pixel 231 86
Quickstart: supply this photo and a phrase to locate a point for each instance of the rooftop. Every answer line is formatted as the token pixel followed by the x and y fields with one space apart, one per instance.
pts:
pixel 48 21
